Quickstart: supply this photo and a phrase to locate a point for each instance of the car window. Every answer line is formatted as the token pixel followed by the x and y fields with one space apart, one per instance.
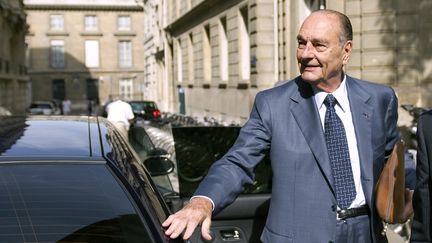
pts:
pixel 140 141
pixel 150 105
pixel 196 148
pixel 119 152
pixel 66 203
pixel 41 106
pixel 143 105
pixel 136 106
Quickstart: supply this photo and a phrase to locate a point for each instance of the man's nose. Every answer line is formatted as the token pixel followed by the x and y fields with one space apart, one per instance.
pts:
pixel 308 51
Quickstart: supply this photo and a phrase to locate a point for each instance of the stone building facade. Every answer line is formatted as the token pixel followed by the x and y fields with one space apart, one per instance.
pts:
pixel 85 51
pixel 157 84
pixel 215 55
pixel 14 82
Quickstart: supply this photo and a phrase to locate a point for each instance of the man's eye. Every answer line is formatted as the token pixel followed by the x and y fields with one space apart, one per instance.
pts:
pixel 320 47
pixel 301 45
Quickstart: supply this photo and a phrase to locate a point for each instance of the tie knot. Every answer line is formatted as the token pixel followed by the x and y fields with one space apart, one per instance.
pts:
pixel 330 101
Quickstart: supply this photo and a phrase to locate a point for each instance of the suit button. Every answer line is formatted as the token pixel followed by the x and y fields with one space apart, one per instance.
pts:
pixel 333 208
pixel 331 241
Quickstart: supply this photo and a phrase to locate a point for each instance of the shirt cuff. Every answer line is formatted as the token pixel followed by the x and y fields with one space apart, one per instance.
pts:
pixel 201 196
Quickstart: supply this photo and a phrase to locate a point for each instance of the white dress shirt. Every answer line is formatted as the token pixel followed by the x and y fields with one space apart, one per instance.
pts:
pixel 344 112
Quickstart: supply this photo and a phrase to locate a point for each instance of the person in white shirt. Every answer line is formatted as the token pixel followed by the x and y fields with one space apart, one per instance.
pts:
pixel 120 115
pixel 66 107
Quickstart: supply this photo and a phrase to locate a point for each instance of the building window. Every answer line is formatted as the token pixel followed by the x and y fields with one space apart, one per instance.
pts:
pixel 223 49
pixel 92 92
pixel 315 4
pixel 306 7
pixel 207 53
pixel 92 53
pixel 125 54
pixel 126 89
pixel 244 44
pixel 57 54
pixel 90 23
pixel 56 22
pixel 124 22
pixel 58 89
pixel 190 48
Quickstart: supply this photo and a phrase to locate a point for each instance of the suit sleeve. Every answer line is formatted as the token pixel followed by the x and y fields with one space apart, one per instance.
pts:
pixel 393 134
pixel 228 176
pixel 421 228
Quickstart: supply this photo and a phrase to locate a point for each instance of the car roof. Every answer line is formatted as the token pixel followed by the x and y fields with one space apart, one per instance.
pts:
pixel 50 137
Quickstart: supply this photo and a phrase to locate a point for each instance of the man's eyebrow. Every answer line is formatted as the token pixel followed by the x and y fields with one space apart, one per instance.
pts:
pixel 316 40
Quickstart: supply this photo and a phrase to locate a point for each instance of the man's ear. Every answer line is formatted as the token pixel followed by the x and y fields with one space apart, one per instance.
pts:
pixel 347 52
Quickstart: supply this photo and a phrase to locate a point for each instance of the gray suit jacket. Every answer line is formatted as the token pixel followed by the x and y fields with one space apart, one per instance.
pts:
pixel 285 123
pixel 422 223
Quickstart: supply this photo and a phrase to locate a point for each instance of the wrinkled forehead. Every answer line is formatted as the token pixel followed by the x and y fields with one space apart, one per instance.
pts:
pixel 321 26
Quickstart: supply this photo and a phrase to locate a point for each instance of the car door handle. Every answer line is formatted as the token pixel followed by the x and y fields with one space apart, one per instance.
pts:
pixel 230 235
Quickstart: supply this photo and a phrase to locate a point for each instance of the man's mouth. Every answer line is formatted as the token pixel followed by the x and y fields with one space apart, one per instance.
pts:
pixel 309 67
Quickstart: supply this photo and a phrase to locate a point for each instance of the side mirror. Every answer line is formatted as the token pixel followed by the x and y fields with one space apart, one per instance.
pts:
pixel 158 166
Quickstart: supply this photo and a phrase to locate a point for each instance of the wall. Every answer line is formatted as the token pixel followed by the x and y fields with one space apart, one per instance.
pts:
pixel 14 82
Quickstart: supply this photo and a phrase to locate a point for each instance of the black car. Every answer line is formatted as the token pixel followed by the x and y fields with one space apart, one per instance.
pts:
pixel 145 109
pixel 75 179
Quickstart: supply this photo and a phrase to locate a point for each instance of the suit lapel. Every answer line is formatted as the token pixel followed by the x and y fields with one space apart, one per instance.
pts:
pixel 362 115
pixel 307 117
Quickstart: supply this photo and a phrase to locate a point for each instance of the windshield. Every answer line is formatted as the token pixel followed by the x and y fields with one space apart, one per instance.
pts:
pixel 143 105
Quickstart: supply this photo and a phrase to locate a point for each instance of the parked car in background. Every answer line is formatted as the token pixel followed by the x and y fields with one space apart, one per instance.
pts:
pixel 147 110
pixel 43 108
pixel 76 179
pixel 4 111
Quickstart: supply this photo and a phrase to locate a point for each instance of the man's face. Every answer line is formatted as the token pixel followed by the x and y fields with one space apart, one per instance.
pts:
pixel 320 55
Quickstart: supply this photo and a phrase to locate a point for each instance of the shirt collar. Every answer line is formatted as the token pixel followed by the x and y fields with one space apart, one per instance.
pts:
pixel 340 94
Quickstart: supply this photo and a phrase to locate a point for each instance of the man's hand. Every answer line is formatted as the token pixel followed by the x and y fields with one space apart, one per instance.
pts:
pixel 197 211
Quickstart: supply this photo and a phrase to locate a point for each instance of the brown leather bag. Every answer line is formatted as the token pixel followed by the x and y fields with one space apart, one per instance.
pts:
pixel 390 188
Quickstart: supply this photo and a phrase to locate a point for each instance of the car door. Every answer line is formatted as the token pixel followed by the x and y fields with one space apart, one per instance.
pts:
pixel 196 149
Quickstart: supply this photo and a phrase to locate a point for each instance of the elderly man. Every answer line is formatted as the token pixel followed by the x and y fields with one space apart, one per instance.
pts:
pixel 327 135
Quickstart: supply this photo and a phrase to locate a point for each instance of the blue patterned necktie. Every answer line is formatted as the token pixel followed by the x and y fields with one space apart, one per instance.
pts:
pixel 337 147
